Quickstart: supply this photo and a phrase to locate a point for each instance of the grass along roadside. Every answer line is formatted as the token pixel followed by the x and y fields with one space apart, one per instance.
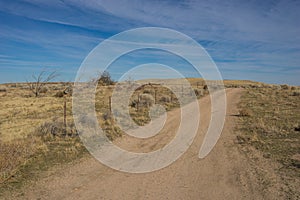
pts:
pixel 27 158
pixel 32 135
pixel 269 122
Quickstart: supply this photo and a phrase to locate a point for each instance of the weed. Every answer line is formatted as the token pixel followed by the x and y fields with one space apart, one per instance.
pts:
pixel 59 94
pixel 245 112
pixel 3 89
pixel 285 87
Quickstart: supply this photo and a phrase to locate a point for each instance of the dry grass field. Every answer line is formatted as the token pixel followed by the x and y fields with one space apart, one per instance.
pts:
pixel 32 132
pixel 270 123
pixel 28 126
pixel 33 136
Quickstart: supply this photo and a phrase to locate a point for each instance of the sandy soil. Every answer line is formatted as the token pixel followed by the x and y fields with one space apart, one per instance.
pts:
pixel 225 173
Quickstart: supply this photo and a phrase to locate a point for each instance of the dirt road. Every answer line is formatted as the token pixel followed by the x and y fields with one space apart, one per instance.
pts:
pixel 224 174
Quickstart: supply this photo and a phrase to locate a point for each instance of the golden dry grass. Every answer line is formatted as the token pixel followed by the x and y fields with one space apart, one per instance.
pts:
pixel 25 122
pixel 22 116
pixel 271 128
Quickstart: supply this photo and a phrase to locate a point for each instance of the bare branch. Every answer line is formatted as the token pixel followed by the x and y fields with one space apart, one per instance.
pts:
pixel 40 80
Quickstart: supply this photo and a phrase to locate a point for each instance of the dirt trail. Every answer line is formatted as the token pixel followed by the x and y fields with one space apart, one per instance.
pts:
pixel 223 174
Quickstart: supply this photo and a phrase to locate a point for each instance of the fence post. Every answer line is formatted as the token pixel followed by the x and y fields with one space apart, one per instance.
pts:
pixel 109 104
pixel 65 115
pixel 138 102
pixel 154 96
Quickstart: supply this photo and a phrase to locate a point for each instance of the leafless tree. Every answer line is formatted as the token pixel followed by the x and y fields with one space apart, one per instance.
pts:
pixel 40 80
pixel 105 79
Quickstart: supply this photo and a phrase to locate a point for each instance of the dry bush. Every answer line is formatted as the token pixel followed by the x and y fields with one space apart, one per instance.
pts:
pixel 297 128
pixel 105 79
pixel 245 112
pixel 146 100
pixel 13 85
pixel 59 94
pixel 3 89
pixel 44 90
pixel 147 91
pixel 276 87
pixel 165 99
pixel 55 128
pixel 198 92
pixel 56 88
pixel 296 93
pixel 285 87
pixel 134 103
pixel 296 160
pixel 15 153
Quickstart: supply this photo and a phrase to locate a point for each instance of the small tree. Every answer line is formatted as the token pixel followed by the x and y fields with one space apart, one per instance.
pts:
pixel 40 80
pixel 105 79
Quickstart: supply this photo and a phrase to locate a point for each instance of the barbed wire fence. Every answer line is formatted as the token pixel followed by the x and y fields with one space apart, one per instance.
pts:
pixel 64 112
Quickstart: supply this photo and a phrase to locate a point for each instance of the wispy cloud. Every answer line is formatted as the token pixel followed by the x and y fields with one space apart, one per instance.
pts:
pixel 262 36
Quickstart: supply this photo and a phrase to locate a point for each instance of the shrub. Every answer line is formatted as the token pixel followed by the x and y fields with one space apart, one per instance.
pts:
pixel 146 100
pixel 146 91
pixel 165 99
pixel 296 93
pixel 245 112
pixel 105 79
pixel 285 87
pixel 55 128
pixel 59 94
pixel 3 90
pixel 134 103
pixel 15 153
pixel 44 90
pixel 297 128
pixel 13 85
pixel 198 92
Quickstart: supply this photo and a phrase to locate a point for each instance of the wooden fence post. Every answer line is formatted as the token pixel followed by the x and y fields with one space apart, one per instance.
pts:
pixel 65 116
pixel 155 96
pixel 109 104
pixel 138 102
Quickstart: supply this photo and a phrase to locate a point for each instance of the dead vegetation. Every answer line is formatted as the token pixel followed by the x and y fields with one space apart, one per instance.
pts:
pixel 49 144
pixel 271 126
pixel 29 135
pixel 42 139
pixel 14 154
pixel 245 112
pixel 32 130
pixel 37 85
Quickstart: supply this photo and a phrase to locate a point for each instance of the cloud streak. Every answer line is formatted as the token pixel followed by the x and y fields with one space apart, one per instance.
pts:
pixel 258 36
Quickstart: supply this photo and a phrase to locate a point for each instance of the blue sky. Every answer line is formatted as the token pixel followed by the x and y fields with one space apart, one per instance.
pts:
pixel 254 40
